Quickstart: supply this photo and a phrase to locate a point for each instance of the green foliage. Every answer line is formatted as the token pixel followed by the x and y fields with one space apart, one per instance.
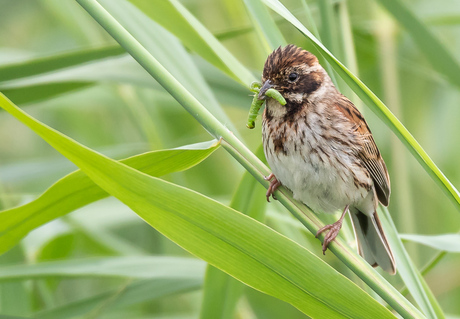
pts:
pixel 68 252
pixel 244 248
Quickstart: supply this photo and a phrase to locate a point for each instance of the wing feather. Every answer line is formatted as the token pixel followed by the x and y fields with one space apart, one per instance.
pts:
pixel 367 150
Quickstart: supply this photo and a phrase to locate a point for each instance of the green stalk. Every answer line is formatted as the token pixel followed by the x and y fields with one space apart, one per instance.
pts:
pixel 428 267
pixel 264 24
pixel 247 159
pixel 386 35
pixel 348 49
pixel 141 115
pixel 433 262
pixel 314 28
pixel 310 19
pixel 329 29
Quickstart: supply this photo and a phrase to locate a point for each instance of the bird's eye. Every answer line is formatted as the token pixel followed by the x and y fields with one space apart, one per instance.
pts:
pixel 292 77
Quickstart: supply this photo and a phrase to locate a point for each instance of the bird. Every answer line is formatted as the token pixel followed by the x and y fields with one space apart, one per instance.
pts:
pixel 319 146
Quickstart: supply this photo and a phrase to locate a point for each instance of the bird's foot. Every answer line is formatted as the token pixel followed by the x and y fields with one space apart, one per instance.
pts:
pixel 333 231
pixel 274 184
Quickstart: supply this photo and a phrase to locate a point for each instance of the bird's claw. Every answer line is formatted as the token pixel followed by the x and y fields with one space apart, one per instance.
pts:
pixel 331 235
pixel 274 184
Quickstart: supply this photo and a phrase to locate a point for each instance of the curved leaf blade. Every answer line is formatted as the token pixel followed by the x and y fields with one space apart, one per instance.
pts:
pixel 56 62
pixel 172 15
pixel 408 272
pixel 445 242
pixel 140 267
pixel 264 24
pixel 77 190
pixel 130 294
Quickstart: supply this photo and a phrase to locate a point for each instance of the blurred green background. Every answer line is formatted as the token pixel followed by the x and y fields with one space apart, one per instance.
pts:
pixel 111 105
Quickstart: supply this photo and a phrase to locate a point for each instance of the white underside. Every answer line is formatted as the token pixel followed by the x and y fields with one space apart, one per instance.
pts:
pixel 318 185
pixel 322 184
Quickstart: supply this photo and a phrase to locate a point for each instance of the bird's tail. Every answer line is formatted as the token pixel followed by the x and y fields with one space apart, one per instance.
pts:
pixel 372 243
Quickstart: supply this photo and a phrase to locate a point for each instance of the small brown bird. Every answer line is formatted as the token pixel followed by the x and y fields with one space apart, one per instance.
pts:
pixel 319 146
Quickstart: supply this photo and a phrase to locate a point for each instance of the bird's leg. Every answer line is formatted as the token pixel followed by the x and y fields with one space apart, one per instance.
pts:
pixel 333 230
pixel 274 184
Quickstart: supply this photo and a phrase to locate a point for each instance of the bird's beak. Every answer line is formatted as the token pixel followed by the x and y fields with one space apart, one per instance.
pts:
pixel 267 85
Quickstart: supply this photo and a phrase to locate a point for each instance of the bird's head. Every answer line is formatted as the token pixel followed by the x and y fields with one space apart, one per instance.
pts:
pixel 292 71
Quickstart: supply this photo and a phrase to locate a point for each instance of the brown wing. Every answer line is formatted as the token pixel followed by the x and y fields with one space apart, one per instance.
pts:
pixel 367 150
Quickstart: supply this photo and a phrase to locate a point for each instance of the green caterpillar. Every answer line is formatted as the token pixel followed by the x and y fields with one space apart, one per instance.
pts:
pixel 257 104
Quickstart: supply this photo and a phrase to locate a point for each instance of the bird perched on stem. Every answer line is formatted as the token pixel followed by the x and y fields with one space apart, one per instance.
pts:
pixel 319 146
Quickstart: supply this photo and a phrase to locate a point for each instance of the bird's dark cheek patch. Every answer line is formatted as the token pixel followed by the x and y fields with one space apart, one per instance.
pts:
pixel 310 83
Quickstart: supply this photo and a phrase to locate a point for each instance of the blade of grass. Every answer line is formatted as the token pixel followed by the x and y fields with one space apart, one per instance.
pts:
pixel 48 64
pixel 264 24
pixel 247 159
pixel 329 30
pixel 172 15
pixel 77 190
pixel 15 297
pixel 37 93
pixel 408 272
pixel 222 292
pixel 55 62
pixel 310 20
pixel 140 267
pixel 446 242
pixel 386 36
pixel 135 293
pixel 347 46
pixel 429 44
pixel 312 23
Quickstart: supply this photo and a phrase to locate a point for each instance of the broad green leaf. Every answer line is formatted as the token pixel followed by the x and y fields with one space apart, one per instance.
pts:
pixel 42 90
pixel 227 239
pixel 377 106
pixel 55 62
pixel 172 15
pixel 221 292
pixel 27 174
pixel 139 267
pixel 134 293
pixel 117 69
pixel 429 44
pixel 445 242
pixel 77 190
pixel 408 271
